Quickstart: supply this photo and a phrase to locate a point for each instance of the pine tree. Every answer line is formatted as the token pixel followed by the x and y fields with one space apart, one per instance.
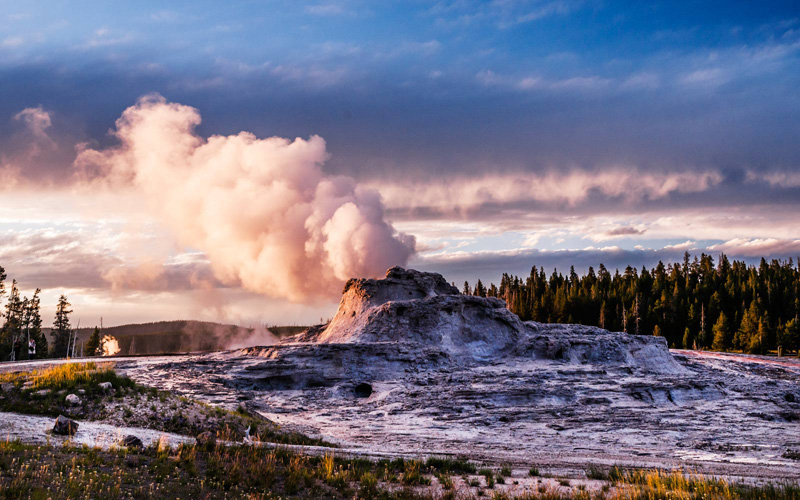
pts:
pixel 789 335
pixel 61 328
pixel 748 328
pixel 34 323
pixel 687 338
pixel 721 334
pixel 11 333
pixel 92 345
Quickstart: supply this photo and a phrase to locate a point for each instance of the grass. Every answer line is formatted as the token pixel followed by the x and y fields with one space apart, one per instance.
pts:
pixel 451 465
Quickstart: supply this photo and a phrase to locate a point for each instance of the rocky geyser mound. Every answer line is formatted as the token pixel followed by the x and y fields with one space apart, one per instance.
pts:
pixel 412 321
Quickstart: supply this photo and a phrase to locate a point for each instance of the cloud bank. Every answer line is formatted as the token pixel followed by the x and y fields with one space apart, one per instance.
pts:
pixel 262 210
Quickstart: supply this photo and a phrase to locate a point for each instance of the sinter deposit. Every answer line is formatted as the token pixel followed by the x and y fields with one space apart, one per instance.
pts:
pixel 413 321
pixel 409 365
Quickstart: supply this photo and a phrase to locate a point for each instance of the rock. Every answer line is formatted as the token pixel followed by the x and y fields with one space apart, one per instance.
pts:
pixel 131 441
pixel 206 438
pixel 413 321
pixel 65 426
pixel 82 392
pixel 106 386
pixel 27 385
pixel 73 399
pixel 363 390
pixel 42 393
pixel 7 387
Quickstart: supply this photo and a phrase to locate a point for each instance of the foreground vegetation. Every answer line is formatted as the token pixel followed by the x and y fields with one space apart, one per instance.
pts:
pixel 266 467
pixel 254 472
pixel 45 391
pixel 694 304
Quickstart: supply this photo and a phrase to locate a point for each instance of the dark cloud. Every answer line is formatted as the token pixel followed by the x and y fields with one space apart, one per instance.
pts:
pixel 625 230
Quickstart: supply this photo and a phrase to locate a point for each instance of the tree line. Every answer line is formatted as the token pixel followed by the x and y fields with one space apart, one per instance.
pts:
pixel 694 304
pixel 21 333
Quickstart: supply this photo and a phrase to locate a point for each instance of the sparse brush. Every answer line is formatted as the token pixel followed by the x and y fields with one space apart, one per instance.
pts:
pixel 458 465
pixel 534 471
pixel 595 472
pixel 328 465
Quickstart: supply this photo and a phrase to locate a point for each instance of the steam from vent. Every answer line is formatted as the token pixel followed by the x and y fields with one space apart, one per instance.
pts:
pixel 262 210
pixel 110 345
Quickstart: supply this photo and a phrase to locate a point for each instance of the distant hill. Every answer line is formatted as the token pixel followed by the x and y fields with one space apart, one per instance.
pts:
pixel 186 336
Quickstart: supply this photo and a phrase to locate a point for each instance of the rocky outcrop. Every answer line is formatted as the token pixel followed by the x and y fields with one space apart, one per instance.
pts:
pixel 131 441
pixel 65 426
pixel 411 322
pixel 421 308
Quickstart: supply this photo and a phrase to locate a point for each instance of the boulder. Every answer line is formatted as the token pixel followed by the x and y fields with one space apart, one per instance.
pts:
pixel 42 393
pixel 106 386
pixel 7 387
pixel 131 441
pixel 65 426
pixel 28 385
pixel 73 400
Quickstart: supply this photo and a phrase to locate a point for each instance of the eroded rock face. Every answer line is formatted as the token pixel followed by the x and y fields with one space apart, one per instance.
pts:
pixel 421 308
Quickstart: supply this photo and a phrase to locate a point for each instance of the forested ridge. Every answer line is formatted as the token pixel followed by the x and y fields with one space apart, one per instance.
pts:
pixel 697 303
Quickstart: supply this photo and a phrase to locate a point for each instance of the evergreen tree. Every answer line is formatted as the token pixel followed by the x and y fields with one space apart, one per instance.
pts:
pixel 789 335
pixel 748 329
pixel 34 325
pixel 11 333
pixel 92 346
pixel 61 328
pixel 687 338
pixel 656 331
pixel 721 334
pixel 757 301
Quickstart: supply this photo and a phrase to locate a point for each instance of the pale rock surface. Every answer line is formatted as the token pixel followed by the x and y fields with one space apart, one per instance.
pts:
pixel 426 321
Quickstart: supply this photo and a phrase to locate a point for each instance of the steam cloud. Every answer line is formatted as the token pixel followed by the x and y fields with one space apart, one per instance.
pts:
pixel 261 209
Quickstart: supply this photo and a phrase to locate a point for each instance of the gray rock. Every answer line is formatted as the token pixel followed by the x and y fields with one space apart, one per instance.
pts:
pixel 7 387
pixel 82 391
pixel 27 385
pixel 42 393
pixel 412 322
pixel 106 386
pixel 131 441
pixel 73 399
pixel 65 426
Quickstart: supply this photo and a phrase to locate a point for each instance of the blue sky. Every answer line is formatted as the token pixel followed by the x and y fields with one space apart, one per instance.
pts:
pixel 500 134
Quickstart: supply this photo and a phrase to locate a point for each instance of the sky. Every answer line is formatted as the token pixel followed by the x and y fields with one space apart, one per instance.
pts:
pixel 238 161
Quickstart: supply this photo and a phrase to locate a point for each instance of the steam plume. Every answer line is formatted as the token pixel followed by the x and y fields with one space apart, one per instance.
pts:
pixel 262 209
